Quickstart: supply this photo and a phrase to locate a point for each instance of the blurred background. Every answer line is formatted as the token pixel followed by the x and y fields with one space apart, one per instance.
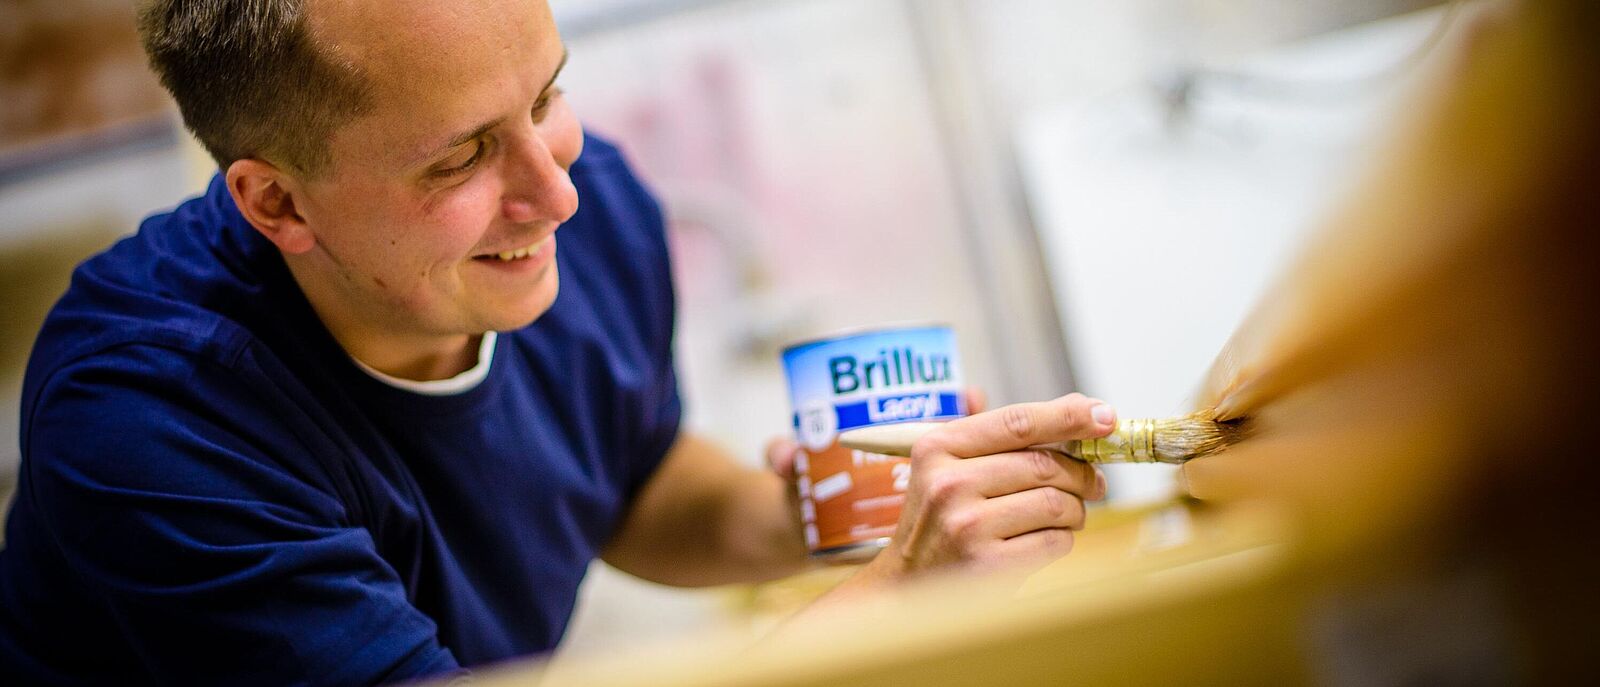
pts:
pixel 1091 193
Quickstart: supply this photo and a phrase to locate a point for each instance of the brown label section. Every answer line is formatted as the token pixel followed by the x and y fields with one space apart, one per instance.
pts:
pixel 850 497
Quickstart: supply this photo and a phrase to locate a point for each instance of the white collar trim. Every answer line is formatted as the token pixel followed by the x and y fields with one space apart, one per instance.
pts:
pixel 458 384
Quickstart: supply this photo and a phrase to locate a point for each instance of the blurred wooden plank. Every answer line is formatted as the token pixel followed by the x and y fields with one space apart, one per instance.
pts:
pixel 1087 621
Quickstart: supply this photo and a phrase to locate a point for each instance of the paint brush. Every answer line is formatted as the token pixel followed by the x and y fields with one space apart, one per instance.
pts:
pixel 1164 440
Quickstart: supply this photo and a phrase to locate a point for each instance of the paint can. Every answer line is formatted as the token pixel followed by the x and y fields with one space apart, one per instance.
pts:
pixel 850 500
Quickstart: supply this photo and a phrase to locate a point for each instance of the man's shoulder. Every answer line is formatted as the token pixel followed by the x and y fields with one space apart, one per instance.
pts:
pixel 599 154
pixel 608 185
pixel 126 385
pixel 166 301
pixel 146 416
pixel 618 215
pixel 183 282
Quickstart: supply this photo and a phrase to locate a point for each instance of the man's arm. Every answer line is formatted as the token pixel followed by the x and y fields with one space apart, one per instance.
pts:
pixel 703 519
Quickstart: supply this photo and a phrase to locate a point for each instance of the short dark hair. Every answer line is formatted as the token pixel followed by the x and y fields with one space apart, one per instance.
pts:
pixel 250 79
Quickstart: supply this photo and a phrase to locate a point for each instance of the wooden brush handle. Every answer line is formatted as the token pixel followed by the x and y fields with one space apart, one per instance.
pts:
pixel 889 440
pixel 896 439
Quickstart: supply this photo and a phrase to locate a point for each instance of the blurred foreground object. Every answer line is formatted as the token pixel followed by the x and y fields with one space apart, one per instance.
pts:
pixel 1414 502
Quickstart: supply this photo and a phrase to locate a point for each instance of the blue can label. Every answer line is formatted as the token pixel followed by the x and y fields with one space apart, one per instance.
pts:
pixel 850 499
pixel 873 378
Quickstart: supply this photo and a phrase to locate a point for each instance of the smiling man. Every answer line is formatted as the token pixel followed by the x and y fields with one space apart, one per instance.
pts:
pixel 368 408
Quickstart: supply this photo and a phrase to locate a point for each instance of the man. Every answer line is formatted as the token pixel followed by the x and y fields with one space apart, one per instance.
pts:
pixel 275 437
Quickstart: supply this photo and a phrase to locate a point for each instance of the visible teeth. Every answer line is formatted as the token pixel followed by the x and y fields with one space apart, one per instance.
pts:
pixel 518 254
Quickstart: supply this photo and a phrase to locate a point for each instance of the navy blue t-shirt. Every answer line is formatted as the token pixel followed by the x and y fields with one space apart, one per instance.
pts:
pixel 212 492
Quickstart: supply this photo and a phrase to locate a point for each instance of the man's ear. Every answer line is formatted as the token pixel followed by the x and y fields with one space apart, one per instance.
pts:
pixel 264 195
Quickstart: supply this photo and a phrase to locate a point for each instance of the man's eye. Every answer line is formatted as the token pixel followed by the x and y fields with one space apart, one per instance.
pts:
pixel 541 107
pixel 469 163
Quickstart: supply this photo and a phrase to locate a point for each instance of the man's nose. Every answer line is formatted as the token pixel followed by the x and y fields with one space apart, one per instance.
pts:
pixel 538 188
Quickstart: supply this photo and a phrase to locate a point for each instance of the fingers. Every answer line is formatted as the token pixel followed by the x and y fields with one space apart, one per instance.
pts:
pixel 1008 473
pixel 1004 517
pixel 781 454
pixel 982 492
pixel 1038 545
pixel 1021 425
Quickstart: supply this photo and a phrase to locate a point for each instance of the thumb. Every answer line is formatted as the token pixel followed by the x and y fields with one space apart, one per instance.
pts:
pixel 781 454
pixel 977 400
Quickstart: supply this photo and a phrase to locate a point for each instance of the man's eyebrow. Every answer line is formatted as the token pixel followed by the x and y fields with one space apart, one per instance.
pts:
pixel 483 128
pixel 559 66
pixel 462 138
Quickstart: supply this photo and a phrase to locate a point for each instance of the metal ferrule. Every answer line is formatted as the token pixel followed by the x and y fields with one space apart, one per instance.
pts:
pixel 1133 441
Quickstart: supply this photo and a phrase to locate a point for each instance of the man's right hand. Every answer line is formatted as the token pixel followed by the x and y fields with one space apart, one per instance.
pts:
pixel 979 498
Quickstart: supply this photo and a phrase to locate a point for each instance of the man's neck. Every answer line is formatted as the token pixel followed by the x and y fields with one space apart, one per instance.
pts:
pixel 420 362
pixel 419 358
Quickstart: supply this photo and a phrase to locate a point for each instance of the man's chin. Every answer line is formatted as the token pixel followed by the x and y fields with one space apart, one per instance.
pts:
pixel 530 308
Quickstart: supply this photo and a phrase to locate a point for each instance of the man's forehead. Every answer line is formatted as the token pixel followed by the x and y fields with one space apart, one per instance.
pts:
pixel 410 43
pixel 435 69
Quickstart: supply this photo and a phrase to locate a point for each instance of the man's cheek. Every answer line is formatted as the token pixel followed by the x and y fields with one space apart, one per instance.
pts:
pixel 570 134
pixel 464 218
pixel 448 232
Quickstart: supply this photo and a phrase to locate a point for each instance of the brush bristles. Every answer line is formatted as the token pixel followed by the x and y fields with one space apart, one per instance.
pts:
pixel 1182 439
pixel 1166 440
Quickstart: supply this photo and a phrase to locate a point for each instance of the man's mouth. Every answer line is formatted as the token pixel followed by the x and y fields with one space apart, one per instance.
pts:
pixel 517 254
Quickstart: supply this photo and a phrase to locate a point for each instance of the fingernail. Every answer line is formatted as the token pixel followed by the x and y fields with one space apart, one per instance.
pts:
pixel 1100 484
pixel 1103 414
